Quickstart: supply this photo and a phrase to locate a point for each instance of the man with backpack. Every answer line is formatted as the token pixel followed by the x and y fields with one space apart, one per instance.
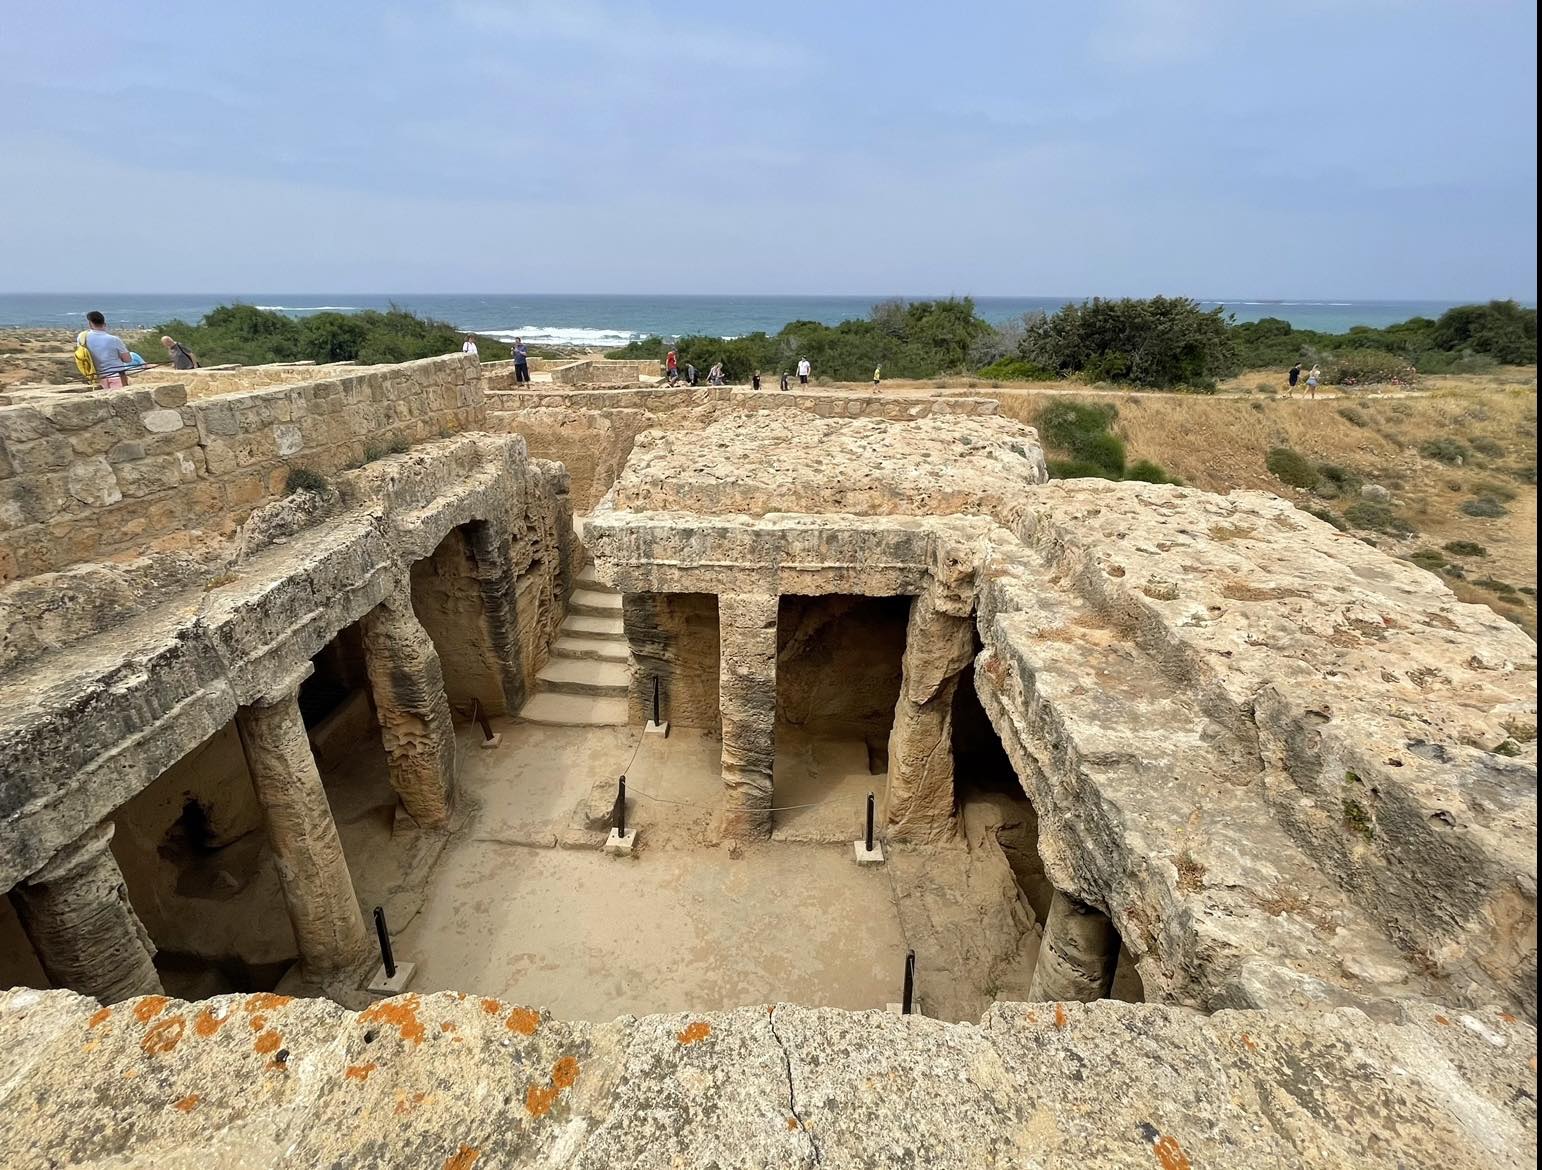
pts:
pixel 101 355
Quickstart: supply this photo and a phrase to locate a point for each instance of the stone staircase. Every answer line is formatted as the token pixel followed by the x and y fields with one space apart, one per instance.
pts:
pixel 584 683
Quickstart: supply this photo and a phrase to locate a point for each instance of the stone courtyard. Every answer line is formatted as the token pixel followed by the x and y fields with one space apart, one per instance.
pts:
pixel 1207 832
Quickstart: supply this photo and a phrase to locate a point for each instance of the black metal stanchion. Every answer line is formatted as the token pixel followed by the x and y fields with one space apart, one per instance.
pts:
pixel 907 1000
pixel 657 722
pixel 870 804
pixel 618 814
pixel 387 959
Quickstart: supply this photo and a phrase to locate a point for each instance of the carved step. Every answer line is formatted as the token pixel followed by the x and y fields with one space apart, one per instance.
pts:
pixel 608 651
pixel 588 601
pixel 585 677
pixel 582 625
pixel 556 710
pixel 586 579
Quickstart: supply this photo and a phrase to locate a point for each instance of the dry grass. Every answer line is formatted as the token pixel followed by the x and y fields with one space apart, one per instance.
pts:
pixel 1219 443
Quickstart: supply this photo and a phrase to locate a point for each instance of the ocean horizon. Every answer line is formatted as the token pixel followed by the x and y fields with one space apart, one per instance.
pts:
pixel 606 321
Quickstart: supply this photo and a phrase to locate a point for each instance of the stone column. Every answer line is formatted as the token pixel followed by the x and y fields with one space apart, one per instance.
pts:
pixel 938 646
pixel 747 703
pixel 318 890
pixel 1078 956
pixel 408 685
pixel 76 912
pixel 499 586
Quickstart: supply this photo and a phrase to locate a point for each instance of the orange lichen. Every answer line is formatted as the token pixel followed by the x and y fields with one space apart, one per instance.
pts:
pixel 1442 1020
pixel 1247 1042
pixel 539 1099
pixel 100 1016
pixel 462 1159
pixel 1033 1017
pixel 694 1031
pixel 1060 1017
pixel 792 1123
pixel 258 1023
pixel 149 1006
pixel 564 1073
pixel 492 1006
pixel 1170 1156
pixel 1507 1017
pixel 206 1023
pixel 187 1104
pixel 523 1020
pixel 360 1072
pixel 447 1026
pixel 267 1042
pixel 265 1001
pixel 163 1037
pixel 401 1014
pixel 406 1104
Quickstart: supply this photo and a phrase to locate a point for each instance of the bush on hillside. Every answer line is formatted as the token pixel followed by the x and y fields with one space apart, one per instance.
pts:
pixel 1081 430
pixel 1159 342
pixel 1375 517
pixel 1465 548
pixel 1149 472
pixel 1368 367
pixel 1484 508
pixel 1014 369
pixel 1501 330
pixel 252 336
pixel 1444 450
pixel 1291 468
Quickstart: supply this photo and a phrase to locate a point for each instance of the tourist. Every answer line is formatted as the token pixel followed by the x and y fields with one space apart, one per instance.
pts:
pixel 877 374
pixel 1311 381
pixel 521 361
pixel 784 379
pixel 108 353
pixel 181 358
pixel 715 374
pixel 470 345
pixel 672 366
pixel 755 381
pixel 804 370
pixel 690 373
pixel 1295 376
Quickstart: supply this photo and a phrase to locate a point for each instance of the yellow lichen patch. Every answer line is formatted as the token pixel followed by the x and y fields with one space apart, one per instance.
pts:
pixel 360 1072
pixel 1060 1017
pixel 148 1007
pixel 462 1159
pixel 206 1023
pixel 267 1042
pixel 1032 1017
pixel 523 1020
pixel 187 1104
pixel 98 1017
pixel 163 1037
pixel 1170 1156
pixel 401 1014
pixel 694 1031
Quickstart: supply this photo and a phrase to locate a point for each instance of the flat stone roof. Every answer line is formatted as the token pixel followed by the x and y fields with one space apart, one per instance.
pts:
pixel 765 462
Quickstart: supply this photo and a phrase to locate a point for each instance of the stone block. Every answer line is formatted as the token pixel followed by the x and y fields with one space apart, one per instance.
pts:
pixel 218 418
pixel 52 453
pixel 288 439
pixel 161 420
pixel 99 439
pixel 173 395
pixel 23 424
pixel 92 482
pixel 76 413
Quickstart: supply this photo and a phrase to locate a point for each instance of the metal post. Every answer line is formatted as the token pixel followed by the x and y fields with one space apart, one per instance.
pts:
pixel 870 803
pixel 656 720
pixel 482 721
pixel 907 1000
pixel 387 960
pixel 618 814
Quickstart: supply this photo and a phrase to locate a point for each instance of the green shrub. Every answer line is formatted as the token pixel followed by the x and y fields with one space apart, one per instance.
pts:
pixel 1484 507
pixel 1354 416
pixel 1483 445
pixel 1523 473
pixel 1160 341
pixel 1374 517
pixel 399 445
pixel 1291 468
pixel 1428 558
pixel 1368 367
pixel 1501 330
pixel 1451 451
pixel 1503 588
pixel 1075 469
pixel 1465 548
pixel 1080 429
pixel 1149 472
pixel 303 479
pixel 1335 481
pixel 1328 517
pixel 1009 369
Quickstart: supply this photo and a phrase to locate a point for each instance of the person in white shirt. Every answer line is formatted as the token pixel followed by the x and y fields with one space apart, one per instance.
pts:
pixel 471 344
pixel 804 370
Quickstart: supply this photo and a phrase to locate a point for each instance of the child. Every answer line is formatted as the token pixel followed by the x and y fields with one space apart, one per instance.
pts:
pixel 1311 382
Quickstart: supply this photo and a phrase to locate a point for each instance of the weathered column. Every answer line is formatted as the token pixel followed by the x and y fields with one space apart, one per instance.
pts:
pixel 938 646
pixel 311 868
pixel 499 586
pixel 408 685
pixel 76 912
pixel 747 702
pixel 1078 956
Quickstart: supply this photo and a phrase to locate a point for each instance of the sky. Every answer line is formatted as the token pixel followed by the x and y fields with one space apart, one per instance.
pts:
pixel 1354 149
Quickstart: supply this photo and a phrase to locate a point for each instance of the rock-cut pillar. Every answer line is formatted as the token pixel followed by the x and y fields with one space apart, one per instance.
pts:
pixel 747 704
pixel 318 889
pixel 938 646
pixel 1078 956
pixel 76 912
pixel 408 684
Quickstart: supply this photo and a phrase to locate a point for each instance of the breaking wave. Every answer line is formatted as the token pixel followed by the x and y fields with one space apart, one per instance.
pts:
pixel 565 335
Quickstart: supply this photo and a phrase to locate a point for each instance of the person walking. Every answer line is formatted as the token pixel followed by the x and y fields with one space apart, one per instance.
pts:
pixel 1311 382
pixel 804 370
pixel 715 374
pixel 1294 376
pixel 784 379
pixel 755 381
pixel 521 361
pixel 690 373
pixel 181 358
pixel 671 366
pixel 470 345
pixel 108 353
pixel 877 375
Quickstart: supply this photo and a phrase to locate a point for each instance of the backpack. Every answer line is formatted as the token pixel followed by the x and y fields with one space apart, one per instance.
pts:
pixel 84 362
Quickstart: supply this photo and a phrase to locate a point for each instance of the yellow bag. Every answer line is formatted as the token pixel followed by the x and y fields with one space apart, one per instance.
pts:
pixel 84 362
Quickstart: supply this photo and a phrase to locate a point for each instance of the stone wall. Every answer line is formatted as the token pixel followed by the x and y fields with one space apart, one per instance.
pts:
pixel 838 664
pixel 675 637
pixel 446 1081
pixel 101 474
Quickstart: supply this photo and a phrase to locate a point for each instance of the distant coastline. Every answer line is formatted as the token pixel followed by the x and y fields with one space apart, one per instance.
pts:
pixel 603 322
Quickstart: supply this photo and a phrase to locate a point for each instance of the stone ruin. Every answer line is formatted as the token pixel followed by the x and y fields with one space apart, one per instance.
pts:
pixel 1236 813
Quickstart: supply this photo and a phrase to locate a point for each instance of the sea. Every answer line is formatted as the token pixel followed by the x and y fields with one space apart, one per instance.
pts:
pixel 599 321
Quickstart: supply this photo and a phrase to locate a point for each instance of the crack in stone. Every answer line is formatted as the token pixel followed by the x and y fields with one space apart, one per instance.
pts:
pixel 792 1096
